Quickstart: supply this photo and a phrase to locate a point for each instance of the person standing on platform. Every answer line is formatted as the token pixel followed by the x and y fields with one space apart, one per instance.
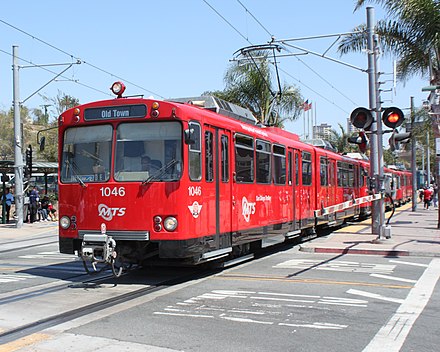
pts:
pixel 34 198
pixel 7 200
pixel 427 194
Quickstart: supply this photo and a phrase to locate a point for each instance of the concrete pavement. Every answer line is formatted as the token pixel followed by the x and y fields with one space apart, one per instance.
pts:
pixel 412 234
pixel 10 232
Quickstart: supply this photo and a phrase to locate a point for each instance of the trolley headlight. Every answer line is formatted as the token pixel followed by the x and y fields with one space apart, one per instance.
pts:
pixel 118 88
pixel 170 223
pixel 65 222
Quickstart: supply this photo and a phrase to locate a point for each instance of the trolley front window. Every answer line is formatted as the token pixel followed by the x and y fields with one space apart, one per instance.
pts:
pixel 148 151
pixel 86 154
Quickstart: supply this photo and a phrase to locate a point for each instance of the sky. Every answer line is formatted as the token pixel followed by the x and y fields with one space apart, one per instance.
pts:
pixel 182 48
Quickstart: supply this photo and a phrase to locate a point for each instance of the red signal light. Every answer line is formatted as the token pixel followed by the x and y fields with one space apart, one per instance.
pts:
pixel 393 117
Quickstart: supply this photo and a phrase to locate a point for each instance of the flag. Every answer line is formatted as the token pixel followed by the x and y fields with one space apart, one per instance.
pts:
pixel 307 105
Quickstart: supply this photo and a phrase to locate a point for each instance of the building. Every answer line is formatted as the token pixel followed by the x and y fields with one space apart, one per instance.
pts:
pixel 323 131
pixel 350 128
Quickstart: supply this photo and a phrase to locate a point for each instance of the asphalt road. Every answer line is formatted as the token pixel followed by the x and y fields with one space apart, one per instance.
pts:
pixel 286 301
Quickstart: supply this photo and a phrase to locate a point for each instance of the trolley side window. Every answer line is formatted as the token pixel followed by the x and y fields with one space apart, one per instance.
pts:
pixel 342 175
pixel 209 157
pixel 350 175
pixel 279 167
pixel 345 174
pixel 244 158
pixel 306 169
pixel 289 169
pixel 225 158
pixel 296 169
pixel 323 171
pixel 195 153
pixel 263 161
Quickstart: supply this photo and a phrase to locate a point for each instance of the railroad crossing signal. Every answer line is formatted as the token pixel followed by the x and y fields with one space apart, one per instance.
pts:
pixel 361 140
pixel 397 138
pixel 392 117
pixel 361 118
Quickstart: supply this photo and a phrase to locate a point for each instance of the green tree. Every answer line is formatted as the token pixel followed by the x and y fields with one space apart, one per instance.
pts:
pixel 340 141
pixel 250 85
pixel 412 34
pixel 59 104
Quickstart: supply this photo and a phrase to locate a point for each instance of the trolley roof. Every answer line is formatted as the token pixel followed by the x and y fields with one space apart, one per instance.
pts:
pixel 219 106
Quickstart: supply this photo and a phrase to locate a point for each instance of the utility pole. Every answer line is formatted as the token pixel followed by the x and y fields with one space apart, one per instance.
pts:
pixel 413 158
pixel 428 160
pixel 18 143
pixel 376 156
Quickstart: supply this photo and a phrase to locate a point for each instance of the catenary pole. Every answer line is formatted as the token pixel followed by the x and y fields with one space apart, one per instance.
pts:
pixel 374 170
pixel 413 158
pixel 18 156
pixel 428 161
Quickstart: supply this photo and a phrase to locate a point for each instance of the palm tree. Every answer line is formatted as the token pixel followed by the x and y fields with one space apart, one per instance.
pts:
pixel 249 85
pixel 413 35
pixel 340 141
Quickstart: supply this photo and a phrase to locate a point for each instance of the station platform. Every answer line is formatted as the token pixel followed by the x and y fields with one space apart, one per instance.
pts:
pixel 413 233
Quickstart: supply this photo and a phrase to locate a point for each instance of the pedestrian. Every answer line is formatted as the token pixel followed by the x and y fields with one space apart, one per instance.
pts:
pixel 427 194
pixel 52 212
pixel 421 193
pixel 7 200
pixel 34 199
pixel 44 211
pixel 435 195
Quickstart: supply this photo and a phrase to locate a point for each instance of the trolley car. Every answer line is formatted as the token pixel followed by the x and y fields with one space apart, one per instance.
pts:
pixel 192 180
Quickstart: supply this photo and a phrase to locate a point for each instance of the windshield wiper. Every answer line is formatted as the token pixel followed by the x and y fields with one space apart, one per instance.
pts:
pixel 159 173
pixel 73 166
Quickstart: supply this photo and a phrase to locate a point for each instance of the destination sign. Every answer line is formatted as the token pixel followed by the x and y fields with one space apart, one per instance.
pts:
pixel 115 112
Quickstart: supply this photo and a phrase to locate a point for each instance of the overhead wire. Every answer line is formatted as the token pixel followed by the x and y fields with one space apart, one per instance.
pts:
pixel 301 61
pixel 229 23
pixel 77 58
pixel 55 73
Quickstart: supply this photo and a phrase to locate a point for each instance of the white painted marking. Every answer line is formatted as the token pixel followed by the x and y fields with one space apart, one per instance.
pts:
pixel 393 278
pixel 407 263
pixel 245 320
pixel 374 295
pixel 322 326
pixel 337 265
pixel 231 293
pixel 238 310
pixel 392 335
pixel 184 315
pixel 282 299
pixel 286 295
pixel 50 255
pixel 343 301
pixel 13 278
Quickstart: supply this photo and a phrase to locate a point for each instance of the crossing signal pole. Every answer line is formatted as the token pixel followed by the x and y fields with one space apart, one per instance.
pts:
pixel 371 120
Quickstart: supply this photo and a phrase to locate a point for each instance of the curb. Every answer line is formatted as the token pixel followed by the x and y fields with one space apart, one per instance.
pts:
pixel 381 252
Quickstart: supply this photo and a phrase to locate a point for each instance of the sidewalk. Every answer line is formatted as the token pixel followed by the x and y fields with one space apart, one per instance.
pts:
pixel 10 232
pixel 412 234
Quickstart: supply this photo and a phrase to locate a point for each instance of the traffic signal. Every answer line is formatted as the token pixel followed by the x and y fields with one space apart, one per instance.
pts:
pixel 361 118
pixel 392 117
pixel 361 140
pixel 397 138
pixel 28 166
